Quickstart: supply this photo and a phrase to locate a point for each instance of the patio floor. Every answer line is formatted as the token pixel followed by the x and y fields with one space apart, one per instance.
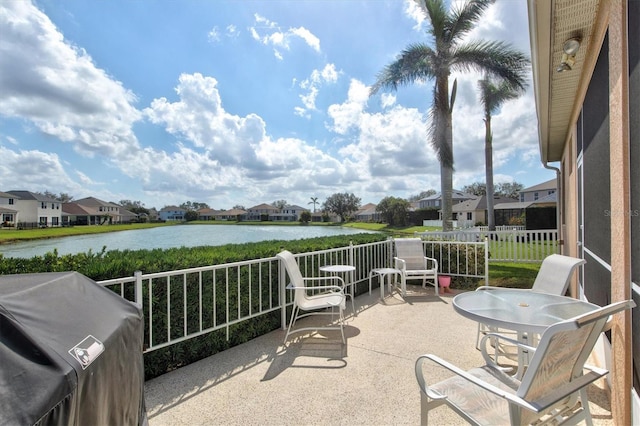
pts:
pixel 319 381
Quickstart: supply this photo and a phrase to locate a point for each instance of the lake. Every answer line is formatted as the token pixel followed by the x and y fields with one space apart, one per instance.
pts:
pixel 171 236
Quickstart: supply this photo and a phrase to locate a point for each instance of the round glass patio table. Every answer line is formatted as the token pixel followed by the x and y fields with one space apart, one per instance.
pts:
pixel 524 311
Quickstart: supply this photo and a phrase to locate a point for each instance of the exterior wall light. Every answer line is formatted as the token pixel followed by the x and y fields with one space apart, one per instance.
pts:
pixel 569 49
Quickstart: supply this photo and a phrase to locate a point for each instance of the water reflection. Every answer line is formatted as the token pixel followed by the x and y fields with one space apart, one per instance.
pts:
pixel 169 237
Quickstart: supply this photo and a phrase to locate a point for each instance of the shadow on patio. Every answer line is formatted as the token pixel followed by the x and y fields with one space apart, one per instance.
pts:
pixel 318 380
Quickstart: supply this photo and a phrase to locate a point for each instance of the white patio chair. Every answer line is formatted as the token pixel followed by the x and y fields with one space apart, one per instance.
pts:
pixel 413 264
pixel 314 302
pixel 553 277
pixel 552 388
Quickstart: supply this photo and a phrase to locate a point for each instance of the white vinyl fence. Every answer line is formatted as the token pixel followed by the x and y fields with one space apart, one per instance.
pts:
pixel 513 245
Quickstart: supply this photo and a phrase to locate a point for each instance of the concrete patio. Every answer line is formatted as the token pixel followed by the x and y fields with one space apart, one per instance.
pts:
pixel 318 380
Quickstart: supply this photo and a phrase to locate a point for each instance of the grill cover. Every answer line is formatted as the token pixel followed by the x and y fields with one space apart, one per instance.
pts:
pixel 70 352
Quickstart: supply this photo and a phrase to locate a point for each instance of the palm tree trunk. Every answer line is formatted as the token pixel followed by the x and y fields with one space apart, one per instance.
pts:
pixel 488 160
pixel 446 190
pixel 444 129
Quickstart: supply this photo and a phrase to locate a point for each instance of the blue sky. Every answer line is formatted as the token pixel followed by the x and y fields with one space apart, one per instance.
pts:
pixel 237 102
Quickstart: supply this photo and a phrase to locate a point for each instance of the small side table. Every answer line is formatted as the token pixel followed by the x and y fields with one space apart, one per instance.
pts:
pixel 385 273
pixel 348 281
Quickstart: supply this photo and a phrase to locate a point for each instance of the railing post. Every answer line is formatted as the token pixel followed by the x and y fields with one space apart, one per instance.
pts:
pixel 138 294
pixel 354 284
pixel 282 283
pixel 486 261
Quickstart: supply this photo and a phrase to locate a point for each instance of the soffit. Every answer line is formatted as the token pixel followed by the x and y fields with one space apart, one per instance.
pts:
pixel 551 23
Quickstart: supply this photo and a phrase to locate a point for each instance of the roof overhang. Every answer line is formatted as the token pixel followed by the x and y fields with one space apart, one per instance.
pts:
pixel 558 94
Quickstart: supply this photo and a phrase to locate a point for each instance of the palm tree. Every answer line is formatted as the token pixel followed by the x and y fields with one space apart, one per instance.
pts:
pixel 492 96
pixel 314 201
pixel 449 53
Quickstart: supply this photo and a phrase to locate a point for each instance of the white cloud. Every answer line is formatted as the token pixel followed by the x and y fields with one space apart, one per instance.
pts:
pixel 346 116
pixel 57 87
pixel 318 78
pixel 414 12
pixel 269 33
pixel 387 100
pixel 33 170
pixel 307 36
pixel 232 31
pixel 222 153
pixel 84 179
pixel 214 35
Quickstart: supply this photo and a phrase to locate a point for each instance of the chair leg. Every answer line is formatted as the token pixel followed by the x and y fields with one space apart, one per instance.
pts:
pixel 403 282
pixel 342 325
pixel 480 332
pixel 294 313
pixel 584 400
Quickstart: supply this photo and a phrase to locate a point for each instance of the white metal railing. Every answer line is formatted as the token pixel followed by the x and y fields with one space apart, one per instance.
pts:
pixel 506 246
pixel 502 228
pixel 460 258
pixel 183 304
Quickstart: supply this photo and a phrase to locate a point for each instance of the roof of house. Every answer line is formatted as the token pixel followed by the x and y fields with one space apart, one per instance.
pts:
pixel 513 206
pixel 549 199
pixel 27 195
pixel 368 208
pixel 455 195
pixel 7 195
pixel 232 212
pixel 479 203
pixel 77 209
pixel 173 208
pixel 208 211
pixel 263 206
pixel 550 184
pixel 93 201
pixel 294 207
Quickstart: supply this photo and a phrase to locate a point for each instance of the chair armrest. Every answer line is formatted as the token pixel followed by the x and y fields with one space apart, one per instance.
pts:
pixel 430 259
pixel 485 354
pixel 335 288
pixel 339 288
pixel 512 398
pixel 400 263
pixel 327 278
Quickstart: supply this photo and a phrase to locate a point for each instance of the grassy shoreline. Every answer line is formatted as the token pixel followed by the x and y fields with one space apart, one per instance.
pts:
pixel 10 235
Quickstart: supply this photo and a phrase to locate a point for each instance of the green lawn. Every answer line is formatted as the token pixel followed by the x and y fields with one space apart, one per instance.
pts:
pixel 8 235
pixel 514 275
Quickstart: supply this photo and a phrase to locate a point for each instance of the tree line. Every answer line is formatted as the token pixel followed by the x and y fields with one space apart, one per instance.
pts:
pixel 393 210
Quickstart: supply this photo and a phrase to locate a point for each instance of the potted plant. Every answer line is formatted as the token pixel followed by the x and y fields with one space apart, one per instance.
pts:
pixel 444 281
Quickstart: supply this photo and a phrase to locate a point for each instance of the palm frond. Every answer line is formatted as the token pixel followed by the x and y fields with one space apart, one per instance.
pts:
pixel 493 95
pixel 436 12
pixel 463 19
pixel 416 63
pixel 496 59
